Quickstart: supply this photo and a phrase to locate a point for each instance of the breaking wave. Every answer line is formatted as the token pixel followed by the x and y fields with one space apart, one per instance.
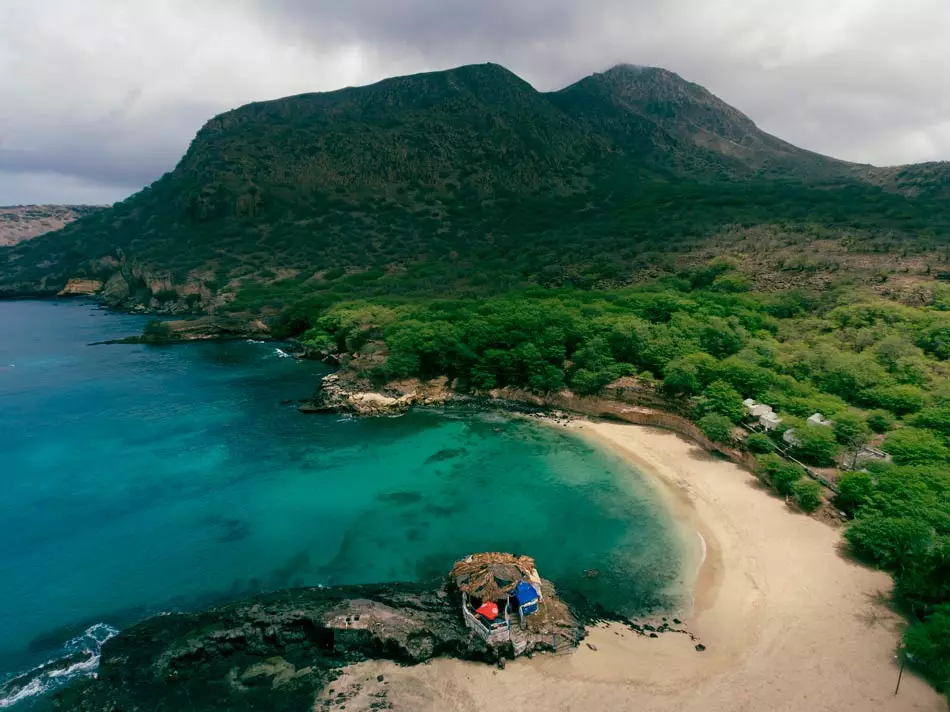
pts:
pixel 79 658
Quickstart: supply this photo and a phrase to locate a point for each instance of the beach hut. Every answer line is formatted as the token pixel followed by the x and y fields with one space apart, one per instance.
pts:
pixel 498 591
pixel 506 603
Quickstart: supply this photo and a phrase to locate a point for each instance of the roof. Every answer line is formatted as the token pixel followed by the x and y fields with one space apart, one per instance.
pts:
pixel 491 576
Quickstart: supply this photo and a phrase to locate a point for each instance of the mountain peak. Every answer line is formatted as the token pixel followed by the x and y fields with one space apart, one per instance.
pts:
pixel 693 115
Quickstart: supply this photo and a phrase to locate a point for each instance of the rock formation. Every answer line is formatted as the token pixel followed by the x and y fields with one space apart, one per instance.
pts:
pixel 273 652
pixel 346 393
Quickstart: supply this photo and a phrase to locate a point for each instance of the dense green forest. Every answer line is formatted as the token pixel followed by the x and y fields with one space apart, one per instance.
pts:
pixel 877 368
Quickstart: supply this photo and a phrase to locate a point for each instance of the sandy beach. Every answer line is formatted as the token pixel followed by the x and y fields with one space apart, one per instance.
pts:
pixel 788 623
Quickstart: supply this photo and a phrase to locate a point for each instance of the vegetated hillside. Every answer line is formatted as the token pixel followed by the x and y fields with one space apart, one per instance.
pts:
pixel 23 222
pixel 470 181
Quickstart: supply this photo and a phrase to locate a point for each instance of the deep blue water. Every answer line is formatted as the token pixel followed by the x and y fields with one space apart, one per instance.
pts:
pixel 138 479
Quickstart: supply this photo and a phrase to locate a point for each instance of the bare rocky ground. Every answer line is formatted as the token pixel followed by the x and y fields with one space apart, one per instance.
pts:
pixel 23 222
pixel 274 652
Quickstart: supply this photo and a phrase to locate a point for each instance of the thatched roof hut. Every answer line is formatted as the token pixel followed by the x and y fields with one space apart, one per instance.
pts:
pixel 492 576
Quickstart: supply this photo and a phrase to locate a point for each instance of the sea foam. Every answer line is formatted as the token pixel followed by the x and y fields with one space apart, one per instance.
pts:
pixel 42 679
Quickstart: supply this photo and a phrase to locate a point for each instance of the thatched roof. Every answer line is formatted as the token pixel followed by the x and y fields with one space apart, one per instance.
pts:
pixel 491 576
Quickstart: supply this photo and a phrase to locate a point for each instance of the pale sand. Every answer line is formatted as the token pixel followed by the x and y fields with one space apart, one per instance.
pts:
pixel 788 623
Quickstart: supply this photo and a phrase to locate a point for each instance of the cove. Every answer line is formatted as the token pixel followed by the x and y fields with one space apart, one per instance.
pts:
pixel 139 479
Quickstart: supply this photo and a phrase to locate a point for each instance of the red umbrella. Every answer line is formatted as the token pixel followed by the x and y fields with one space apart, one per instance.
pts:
pixel 488 610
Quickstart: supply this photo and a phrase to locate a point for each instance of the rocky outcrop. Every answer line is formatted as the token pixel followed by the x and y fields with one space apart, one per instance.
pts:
pixel 274 652
pixel 81 287
pixel 207 328
pixel 347 393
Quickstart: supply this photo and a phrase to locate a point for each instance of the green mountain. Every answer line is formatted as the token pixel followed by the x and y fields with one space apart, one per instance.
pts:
pixel 469 181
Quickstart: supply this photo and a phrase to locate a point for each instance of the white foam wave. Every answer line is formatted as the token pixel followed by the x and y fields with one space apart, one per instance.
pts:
pixel 282 353
pixel 89 642
pixel 253 341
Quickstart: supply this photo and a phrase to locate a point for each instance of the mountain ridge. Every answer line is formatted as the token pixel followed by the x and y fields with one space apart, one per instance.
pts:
pixel 471 169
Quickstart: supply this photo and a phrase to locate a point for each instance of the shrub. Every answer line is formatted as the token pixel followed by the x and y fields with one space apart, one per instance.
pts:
pixel 880 421
pixel 156 331
pixel 807 494
pixel 759 443
pixel 716 427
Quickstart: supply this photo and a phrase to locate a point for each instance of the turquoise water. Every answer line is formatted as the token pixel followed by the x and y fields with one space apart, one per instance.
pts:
pixel 141 479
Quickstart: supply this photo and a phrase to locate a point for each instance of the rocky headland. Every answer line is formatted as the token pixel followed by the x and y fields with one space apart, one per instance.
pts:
pixel 274 652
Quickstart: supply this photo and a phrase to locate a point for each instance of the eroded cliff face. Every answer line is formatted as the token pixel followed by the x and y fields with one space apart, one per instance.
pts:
pixel 274 652
pixel 81 287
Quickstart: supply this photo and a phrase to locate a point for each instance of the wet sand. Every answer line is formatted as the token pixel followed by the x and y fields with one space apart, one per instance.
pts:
pixel 787 621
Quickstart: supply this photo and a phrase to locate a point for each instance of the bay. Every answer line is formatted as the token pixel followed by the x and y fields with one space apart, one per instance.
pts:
pixel 139 479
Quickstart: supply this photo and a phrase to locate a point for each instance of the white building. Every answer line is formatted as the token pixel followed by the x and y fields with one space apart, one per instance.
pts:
pixel 767 417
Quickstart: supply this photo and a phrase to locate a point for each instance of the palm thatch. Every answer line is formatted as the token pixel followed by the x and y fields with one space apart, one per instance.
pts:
pixel 492 576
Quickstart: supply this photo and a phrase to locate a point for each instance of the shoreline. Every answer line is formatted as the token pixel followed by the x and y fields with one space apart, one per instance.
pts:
pixel 786 621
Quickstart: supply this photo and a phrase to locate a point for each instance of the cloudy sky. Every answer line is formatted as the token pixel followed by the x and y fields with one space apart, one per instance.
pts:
pixel 100 97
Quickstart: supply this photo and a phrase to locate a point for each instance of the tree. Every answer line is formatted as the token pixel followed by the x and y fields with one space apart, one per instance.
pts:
pixel 854 491
pixel 720 397
pixel 722 337
pixel 716 427
pixel 936 341
pixel 914 446
pixel 888 542
pixel 815 444
pixel 595 367
pixel 689 374
pixel 900 400
pixel 780 473
pixel 852 432
pixel 681 378
pixel 807 494
pixel 929 644
pixel 747 378
pixel 934 419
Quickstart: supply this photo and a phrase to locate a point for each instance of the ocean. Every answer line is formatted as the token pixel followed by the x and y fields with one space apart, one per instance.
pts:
pixel 136 480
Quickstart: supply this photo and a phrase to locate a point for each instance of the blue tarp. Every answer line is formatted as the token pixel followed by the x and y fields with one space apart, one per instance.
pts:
pixel 526 594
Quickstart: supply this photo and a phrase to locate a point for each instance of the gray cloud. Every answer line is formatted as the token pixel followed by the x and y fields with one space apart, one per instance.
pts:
pixel 106 95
